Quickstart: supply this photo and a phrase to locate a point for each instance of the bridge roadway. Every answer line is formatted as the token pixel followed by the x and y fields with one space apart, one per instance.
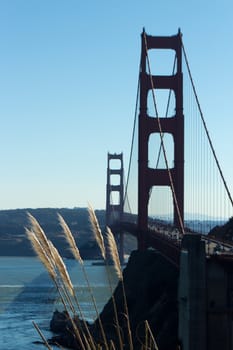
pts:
pixel 168 241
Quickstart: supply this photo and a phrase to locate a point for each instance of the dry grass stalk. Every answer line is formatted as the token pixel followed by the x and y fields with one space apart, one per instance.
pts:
pixel 62 269
pixel 117 265
pixel 40 252
pixel 42 336
pixel 100 241
pixel 50 262
pixel 148 329
pixel 47 262
pixel 47 258
pixel 112 345
pixel 116 260
pixel 89 346
pixel 70 239
pixel 114 253
pixel 75 251
pixel 62 287
pixel 127 316
pixel 77 256
pixel 97 231
pixel 77 333
pixel 37 229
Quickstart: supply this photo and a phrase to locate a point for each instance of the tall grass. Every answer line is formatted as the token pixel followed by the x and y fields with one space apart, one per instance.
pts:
pixel 54 264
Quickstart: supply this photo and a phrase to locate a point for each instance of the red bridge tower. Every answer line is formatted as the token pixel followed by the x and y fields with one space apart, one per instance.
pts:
pixel 115 196
pixel 148 177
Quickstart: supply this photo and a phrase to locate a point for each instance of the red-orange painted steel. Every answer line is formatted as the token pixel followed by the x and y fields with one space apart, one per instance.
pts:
pixel 148 177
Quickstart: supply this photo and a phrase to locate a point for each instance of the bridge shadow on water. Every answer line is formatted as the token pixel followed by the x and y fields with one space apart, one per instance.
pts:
pixel 24 299
pixel 28 294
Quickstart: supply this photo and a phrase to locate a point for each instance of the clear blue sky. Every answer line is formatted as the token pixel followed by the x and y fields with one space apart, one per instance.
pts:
pixel 68 78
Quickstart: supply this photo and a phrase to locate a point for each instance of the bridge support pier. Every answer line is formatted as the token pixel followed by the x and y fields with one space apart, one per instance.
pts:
pixel 205 297
pixel 192 294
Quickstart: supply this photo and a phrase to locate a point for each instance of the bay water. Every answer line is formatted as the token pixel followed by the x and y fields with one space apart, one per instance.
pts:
pixel 27 294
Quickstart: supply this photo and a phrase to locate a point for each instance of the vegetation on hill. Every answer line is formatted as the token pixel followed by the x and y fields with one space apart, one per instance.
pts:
pixel 14 221
pixel 13 241
pixel 224 232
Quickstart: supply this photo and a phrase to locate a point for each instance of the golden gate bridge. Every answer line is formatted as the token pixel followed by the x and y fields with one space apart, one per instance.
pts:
pixel 175 180
pixel 174 174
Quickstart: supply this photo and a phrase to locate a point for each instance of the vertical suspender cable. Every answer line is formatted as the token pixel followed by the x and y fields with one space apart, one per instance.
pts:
pixel 205 127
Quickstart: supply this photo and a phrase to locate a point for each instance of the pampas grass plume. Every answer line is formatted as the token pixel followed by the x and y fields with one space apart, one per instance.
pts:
pixel 62 268
pixel 114 253
pixel 97 231
pixel 40 252
pixel 39 233
pixel 70 239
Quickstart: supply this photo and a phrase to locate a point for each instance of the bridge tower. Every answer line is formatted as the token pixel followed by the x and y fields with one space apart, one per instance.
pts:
pixel 115 192
pixel 149 177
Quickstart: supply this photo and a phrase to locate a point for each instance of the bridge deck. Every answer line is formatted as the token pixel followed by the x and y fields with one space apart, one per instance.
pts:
pixel 168 242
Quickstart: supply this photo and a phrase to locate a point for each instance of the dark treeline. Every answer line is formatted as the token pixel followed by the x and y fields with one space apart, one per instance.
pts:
pixel 14 221
pixel 13 240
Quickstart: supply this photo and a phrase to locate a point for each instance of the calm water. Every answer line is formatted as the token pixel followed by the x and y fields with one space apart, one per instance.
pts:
pixel 27 294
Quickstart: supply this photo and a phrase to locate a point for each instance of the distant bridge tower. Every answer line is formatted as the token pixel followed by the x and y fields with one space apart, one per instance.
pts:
pixel 149 177
pixel 115 195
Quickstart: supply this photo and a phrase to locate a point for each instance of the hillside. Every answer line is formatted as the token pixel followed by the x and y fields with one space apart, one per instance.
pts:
pixel 13 240
pixel 224 232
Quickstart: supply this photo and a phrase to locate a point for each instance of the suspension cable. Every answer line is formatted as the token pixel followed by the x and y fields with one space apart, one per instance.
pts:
pixel 132 140
pixel 205 127
pixel 126 198
pixel 161 138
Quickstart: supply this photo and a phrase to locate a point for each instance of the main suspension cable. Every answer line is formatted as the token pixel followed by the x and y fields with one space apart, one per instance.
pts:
pixel 132 140
pixel 126 198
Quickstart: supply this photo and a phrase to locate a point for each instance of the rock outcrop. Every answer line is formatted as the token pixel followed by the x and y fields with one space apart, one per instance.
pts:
pixel 150 284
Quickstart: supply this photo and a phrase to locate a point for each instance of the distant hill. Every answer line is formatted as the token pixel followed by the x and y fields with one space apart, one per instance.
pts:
pixel 13 240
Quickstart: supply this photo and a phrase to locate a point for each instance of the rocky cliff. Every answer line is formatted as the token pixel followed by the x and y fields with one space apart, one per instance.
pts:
pixel 150 284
